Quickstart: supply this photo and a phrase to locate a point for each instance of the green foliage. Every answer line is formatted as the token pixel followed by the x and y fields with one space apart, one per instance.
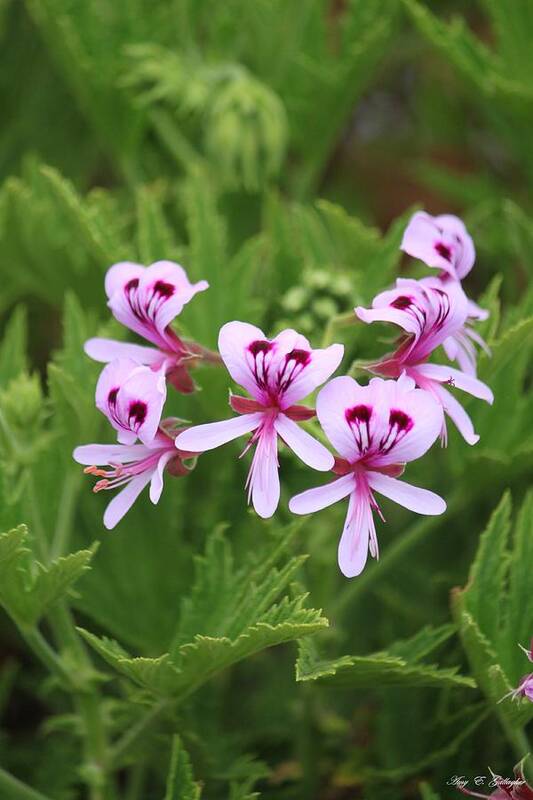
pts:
pixel 230 615
pixel 180 783
pixel 29 589
pixel 277 150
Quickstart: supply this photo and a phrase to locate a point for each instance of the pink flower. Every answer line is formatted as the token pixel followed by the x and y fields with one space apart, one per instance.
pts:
pixel 443 242
pixel 132 397
pixel 376 429
pixel 277 374
pixel 146 300
pixel 429 314
pixel 133 467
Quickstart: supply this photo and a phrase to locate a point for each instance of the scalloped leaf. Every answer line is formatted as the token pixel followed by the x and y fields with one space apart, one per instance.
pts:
pixel 369 672
pixel 27 588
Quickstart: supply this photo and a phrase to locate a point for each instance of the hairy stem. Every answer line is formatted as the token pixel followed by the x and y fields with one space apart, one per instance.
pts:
pixel 123 745
pixel 38 644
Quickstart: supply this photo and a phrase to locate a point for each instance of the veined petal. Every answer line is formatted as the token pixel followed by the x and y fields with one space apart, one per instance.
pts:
pixel 414 421
pixel 140 401
pixel 354 542
pixel 305 446
pixel 123 501
pixel 200 438
pixel 263 478
pixel 422 501
pixel 106 350
pixel 335 411
pixel 146 299
pixel 303 377
pixel 322 496
pixel 442 242
pixel 454 377
pixel 235 344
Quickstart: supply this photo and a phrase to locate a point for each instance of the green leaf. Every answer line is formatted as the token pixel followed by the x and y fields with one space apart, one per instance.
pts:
pixel 231 614
pixel 27 588
pixel 374 671
pixel 13 359
pixel 485 589
pixel 519 608
pixel 422 643
pixel 180 781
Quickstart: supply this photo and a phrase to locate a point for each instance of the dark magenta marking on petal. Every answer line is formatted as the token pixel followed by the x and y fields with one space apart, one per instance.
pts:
pixel 402 420
pixel 302 357
pixel 444 251
pixel 112 396
pixel 259 346
pixel 402 302
pixel 358 414
pixel 132 284
pixel 138 411
pixel 163 289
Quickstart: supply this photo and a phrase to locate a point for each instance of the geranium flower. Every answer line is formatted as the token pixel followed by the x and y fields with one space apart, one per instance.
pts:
pixel 277 373
pixel 146 300
pixel 376 429
pixel 443 242
pixel 429 314
pixel 132 397
pixel 133 467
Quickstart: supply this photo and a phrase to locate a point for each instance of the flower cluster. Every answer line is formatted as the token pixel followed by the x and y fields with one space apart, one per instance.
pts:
pixel 375 429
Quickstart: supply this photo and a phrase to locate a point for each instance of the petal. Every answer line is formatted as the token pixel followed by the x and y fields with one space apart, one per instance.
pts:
pixel 174 276
pixel 414 421
pixel 476 312
pixel 305 446
pixel 320 366
pixel 415 499
pixel 263 478
pixel 336 399
pixel 124 500
pixel 96 454
pixel 200 438
pixel 106 350
pixel 353 546
pixel 322 496
pixel 234 341
pixel 454 377
pixel 456 413
pixel 119 274
pixel 146 389
pixel 112 377
pixel 156 482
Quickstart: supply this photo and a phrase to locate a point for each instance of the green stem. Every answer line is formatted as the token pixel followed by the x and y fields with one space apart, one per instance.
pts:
pixel 78 679
pixel 13 789
pixel 135 733
pixel 38 644
pixel 65 514
pixel 339 321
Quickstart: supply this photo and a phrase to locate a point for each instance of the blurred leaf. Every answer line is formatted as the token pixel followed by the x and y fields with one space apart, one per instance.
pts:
pixel 180 782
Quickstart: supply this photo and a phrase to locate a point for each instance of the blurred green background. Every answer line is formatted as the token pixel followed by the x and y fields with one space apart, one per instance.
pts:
pixel 275 148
